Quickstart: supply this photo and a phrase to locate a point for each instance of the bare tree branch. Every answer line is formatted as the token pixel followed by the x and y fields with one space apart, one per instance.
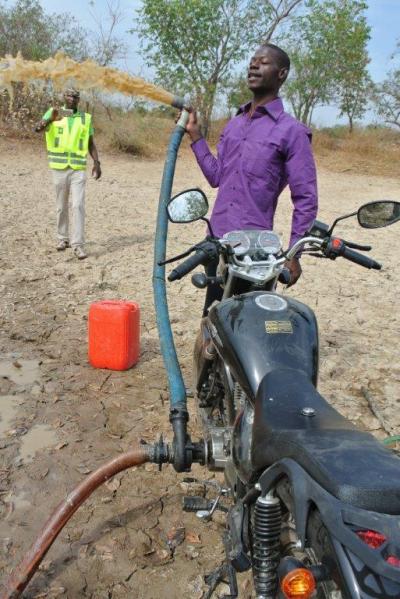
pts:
pixel 281 12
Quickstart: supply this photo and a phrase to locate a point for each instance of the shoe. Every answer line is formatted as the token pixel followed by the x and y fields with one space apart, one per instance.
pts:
pixel 62 245
pixel 80 252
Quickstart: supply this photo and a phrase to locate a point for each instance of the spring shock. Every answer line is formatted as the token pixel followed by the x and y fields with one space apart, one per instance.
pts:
pixel 238 397
pixel 266 552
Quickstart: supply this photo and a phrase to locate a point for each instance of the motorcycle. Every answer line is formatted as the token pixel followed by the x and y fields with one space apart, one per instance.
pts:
pixel 314 502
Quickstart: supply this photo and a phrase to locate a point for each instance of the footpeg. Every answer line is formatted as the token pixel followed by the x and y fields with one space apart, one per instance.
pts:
pixel 195 503
pixel 203 508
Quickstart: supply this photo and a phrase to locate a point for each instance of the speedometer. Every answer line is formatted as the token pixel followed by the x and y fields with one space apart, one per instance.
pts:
pixel 239 241
pixel 269 242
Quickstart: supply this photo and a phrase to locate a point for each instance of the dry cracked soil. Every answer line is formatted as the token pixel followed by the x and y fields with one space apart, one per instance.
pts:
pixel 60 418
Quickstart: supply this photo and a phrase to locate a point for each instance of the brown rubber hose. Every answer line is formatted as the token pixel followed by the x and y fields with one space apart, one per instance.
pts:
pixel 22 574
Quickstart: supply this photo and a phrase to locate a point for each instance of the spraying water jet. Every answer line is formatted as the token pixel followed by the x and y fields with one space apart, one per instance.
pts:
pixel 62 71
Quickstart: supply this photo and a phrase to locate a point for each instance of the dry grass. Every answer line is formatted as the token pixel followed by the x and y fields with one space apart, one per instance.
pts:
pixel 144 135
pixel 369 150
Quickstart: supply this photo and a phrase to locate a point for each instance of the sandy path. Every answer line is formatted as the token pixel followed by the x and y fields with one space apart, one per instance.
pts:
pixel 51 398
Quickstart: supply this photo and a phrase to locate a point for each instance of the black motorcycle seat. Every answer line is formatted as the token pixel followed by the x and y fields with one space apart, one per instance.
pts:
pixel 350 464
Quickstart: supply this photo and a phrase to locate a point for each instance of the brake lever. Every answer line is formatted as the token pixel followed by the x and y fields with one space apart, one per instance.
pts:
pixel 357 246
pixel 175 258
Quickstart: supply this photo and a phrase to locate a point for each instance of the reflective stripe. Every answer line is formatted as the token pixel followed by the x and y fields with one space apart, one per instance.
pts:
pixel 57 153
pixel 82 162
pixel 59 160
pixel 83 117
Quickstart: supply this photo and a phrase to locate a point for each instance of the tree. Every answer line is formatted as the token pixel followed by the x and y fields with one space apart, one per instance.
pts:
pixel 386 95
pixel 26 28
pixel 353 82
pixel 107 46
pixel 328 48
pixel 238 93
pixel 194 45
pixel 387 98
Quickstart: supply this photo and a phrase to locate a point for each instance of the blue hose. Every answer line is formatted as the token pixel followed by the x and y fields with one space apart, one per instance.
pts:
pixel 177 390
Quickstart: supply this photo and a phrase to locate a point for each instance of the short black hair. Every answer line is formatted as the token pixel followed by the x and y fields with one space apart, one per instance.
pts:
pixel 282 57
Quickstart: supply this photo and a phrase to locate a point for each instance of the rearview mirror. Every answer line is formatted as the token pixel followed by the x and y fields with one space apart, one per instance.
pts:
pixel 378 214
pixel 188 206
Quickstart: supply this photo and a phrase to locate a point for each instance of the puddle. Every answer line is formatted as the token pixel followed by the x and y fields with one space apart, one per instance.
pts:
pixel 37 438
pixel 20 372
pixel 8 410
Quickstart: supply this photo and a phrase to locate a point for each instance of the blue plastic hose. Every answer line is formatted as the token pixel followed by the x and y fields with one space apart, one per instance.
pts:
pixel 177 390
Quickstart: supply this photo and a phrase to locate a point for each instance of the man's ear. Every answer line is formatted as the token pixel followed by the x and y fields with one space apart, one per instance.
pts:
pixel 282 75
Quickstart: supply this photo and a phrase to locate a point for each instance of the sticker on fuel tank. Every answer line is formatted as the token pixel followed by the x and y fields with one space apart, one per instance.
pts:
pixel 274 327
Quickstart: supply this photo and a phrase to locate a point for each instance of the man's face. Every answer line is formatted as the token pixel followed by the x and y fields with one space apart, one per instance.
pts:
pixel 71 100
pixel 264 72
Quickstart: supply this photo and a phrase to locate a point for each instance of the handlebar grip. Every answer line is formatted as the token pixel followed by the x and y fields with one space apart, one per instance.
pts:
pixel 360 259
pixel 182 269
pixel 284 276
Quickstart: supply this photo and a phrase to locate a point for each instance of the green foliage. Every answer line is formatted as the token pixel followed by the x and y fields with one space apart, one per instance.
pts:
pixel 194 45
pixel 328 48
pixel 238 93
pixel 387 98
pixel 26 28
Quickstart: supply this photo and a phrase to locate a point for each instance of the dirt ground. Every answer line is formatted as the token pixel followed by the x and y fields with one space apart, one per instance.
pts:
pixel 60 418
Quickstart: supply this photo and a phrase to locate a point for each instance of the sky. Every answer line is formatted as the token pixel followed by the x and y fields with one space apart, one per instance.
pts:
pixel 383 17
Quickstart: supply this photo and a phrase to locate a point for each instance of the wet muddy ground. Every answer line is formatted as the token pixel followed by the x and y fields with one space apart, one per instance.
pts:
pixel 60 418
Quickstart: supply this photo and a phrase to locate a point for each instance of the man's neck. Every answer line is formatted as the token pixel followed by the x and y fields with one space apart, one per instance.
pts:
pixel 264 98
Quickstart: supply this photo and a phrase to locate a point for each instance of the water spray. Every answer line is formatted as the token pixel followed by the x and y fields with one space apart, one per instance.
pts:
pixel 87 75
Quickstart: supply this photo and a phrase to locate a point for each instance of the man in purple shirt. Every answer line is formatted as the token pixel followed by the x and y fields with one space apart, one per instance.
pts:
pixel 261 150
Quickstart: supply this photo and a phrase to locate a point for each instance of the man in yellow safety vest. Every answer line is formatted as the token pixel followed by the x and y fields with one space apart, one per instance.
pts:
pixel 69 138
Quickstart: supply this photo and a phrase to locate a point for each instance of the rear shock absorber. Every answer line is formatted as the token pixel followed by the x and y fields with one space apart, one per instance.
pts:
pixel 266 553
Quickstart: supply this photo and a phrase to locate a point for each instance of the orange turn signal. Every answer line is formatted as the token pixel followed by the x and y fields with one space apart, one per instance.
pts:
pixel 298 584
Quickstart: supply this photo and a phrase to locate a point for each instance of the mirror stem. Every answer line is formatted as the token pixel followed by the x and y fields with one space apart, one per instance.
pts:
pixel 206 220
pixel 339 219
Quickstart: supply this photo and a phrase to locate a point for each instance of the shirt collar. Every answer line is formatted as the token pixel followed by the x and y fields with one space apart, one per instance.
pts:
pixel 273 108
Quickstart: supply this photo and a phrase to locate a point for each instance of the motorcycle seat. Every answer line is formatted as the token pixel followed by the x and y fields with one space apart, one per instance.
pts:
pixel 350 464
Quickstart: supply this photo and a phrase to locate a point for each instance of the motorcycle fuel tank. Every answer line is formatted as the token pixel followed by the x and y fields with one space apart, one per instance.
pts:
pixel 259 331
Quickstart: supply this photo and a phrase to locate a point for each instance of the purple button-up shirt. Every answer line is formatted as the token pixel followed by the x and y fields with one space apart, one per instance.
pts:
pixel 257 158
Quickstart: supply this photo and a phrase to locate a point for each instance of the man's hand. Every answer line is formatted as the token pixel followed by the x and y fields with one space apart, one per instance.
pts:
pixel 193 127
pixel 54 116
pixel 96 170
pixel 294 267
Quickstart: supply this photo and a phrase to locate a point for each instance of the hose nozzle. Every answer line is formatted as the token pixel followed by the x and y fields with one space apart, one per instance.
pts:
pixel 178 102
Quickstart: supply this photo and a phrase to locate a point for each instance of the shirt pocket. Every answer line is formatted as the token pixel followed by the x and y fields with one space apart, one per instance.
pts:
pixel 264 162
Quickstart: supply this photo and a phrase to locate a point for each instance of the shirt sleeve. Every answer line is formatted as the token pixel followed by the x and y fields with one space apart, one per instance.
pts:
pixel 209 164
pixel 302 179
pixel 47 114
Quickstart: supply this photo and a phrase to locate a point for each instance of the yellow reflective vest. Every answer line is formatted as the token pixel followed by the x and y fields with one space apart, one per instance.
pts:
pixel 69 148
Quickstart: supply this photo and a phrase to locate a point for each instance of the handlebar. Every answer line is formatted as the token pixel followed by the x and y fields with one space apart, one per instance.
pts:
pixel 209 250
pixel 358 258
pixel 206 251
pixel 185 267
pixel 337 247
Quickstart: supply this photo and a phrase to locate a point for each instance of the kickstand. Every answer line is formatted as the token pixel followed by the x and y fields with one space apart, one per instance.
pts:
pixel 225 573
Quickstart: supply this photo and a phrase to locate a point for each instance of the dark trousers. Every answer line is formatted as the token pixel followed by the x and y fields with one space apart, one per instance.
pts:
pixel 214 290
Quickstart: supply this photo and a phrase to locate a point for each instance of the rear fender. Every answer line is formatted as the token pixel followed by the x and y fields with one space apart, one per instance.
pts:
pixel 364 569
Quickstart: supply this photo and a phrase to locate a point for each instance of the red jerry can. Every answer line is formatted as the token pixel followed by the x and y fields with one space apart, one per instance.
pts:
pixel 114 334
